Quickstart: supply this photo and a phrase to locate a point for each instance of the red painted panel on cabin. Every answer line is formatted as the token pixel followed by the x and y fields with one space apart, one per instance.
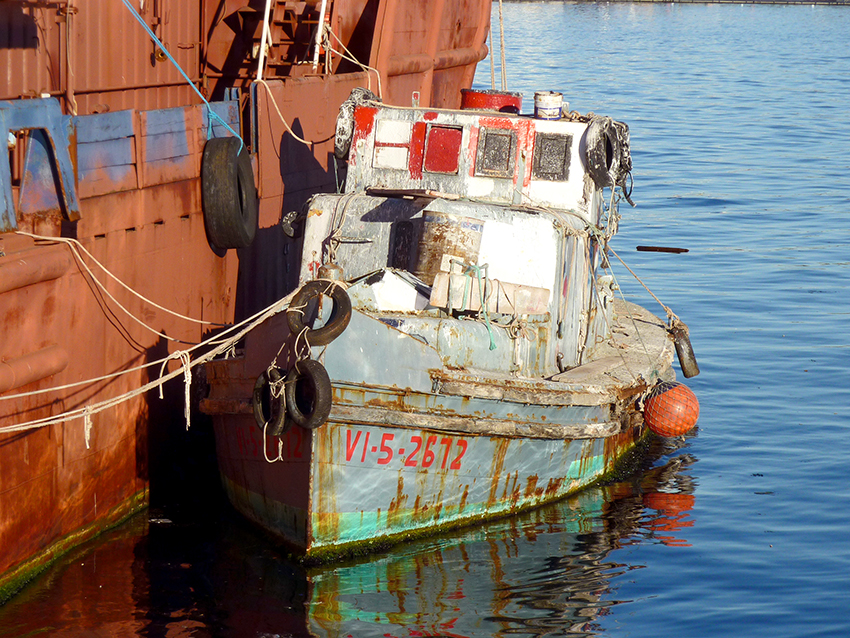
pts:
pixel 472 148
pixel 364 122
pixel 417 149
pixel 442 150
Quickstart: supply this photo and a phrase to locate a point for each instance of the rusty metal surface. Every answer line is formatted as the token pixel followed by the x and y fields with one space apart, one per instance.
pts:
pixel 138 180
pixel 349 484
pixel 393 461
pixel 96 58
pixel 135 137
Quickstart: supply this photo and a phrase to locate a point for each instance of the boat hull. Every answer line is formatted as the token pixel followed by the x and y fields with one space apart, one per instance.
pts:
pixel 449 448
pixel 347 486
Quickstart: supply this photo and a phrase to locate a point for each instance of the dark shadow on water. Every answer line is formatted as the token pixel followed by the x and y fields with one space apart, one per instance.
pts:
pixel 202 571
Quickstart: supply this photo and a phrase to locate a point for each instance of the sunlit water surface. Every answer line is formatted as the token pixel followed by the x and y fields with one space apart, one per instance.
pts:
pixel 740 130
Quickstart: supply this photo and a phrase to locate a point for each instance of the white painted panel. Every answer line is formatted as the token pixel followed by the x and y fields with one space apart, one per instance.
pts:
pixel 523 252
pixel 562 195
pixel 393 294
pixel 390 157
pixel 316 230
pixel 480 186
pixel 393 132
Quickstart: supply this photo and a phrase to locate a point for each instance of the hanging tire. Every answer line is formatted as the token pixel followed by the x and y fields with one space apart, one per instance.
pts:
pixel 340 315
pixel 269 411
pixel 308 394
pixel 229 195
pixel 603 151
pixel 345 120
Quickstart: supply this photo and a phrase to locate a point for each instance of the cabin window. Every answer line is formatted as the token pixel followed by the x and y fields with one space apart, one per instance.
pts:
pixel 552 157
pixel 442 149
pixel 496 154
pixel 392 144
pixel 403 245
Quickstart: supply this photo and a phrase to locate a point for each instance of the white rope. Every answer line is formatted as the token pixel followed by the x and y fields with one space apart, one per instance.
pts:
pixel 261 63
pixel 75 246
pixel 492 64
pixel 671 316
pixel 222 345
pixel 265 447
pixel 280 115
pixel 212 341
pixel 350 57
pixel 629 312
pixel 600 307
pixel 87 426
pixel 502 48
pixel 186 360
pixel 320 30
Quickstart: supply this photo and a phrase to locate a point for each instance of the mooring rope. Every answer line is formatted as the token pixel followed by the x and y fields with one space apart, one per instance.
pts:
pixel 74 245
pixel 502 48
pixel 350 57
pixel 297 137
pixel 671 316
pixel 220 344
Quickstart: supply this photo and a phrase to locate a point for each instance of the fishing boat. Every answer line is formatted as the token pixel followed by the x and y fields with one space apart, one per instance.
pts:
pixel 455 350
pixel 153 150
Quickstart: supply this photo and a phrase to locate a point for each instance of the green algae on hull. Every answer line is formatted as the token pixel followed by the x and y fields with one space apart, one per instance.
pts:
pixel 16 579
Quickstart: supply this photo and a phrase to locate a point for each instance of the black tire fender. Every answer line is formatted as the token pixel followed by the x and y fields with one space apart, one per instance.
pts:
pixel 345 120
pixel 308 394
pixel 603 151
pixel 340 315
pixel 229 195
pixel 263 398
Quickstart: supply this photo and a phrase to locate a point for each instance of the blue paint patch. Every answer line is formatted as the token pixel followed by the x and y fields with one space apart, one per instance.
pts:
pixel 40 185
pixel 43 114
pixel 104 126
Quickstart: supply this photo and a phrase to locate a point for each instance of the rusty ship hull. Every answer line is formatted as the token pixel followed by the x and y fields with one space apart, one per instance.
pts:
pixel 105 173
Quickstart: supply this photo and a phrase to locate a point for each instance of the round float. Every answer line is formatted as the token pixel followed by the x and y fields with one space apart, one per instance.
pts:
pixel 671 409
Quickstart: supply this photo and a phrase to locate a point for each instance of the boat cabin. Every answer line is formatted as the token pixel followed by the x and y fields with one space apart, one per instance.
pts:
pixel 476 231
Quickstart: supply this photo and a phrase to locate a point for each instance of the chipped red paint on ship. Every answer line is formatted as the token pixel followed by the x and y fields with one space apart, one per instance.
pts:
pixel 135 149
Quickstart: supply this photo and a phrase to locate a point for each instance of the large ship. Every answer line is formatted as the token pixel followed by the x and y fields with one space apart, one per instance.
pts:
pixel 156 151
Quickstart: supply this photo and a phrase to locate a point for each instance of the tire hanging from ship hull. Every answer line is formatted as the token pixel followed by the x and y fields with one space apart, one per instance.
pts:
pixel 229 195
pixel 308 394
pixel 336 324
pixel 269 410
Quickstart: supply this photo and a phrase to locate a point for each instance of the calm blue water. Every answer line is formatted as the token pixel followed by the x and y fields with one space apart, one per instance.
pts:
pixel 740 130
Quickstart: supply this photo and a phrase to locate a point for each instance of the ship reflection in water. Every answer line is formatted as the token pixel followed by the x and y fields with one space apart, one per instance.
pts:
pixel 552 571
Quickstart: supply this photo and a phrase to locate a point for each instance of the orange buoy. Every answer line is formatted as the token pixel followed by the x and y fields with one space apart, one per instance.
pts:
pixel 670 409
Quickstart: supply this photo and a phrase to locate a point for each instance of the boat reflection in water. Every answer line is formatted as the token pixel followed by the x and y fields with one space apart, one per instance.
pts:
pixel 546 572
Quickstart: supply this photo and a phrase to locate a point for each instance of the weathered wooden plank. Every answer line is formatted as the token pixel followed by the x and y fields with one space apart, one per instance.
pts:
pixel 169 146
pixel 106 153
pixel 110 179
pixel 171 170
pixel 353 414
pixel 104 126
pixel 164 121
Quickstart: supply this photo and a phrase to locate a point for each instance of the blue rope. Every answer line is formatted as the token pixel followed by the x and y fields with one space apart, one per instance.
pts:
pixel 212 114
